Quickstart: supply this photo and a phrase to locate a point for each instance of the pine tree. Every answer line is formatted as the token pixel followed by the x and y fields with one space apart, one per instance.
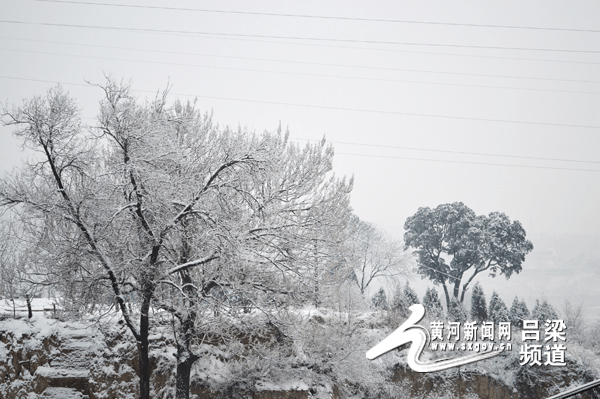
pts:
pixel 543 311
pixel 380 300
pixel 397 303
pixel 497 310
pixel 518 312
pixel 524 308
pixel 457 311
pixel 478 304
pixel 432 303
pixel 410 296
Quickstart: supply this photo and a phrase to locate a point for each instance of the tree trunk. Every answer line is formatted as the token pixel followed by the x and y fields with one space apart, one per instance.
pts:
pixel 185 357
pixel 143 344
pixel 185 361
pixel 144 359
pixel 456 289
pixel 447 297
pixel 29 311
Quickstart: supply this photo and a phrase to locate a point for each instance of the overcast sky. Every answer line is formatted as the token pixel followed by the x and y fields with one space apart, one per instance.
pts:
pixel 495 104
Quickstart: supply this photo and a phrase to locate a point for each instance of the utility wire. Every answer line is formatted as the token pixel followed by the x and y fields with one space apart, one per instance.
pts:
pixel 317 39
pixel 325 17
pixel 303 62
pixel 351 154
pixel 302 73
pixel 467 162
pixel 392 50
pixel 289 104
pixel 452 152
pixel 402 51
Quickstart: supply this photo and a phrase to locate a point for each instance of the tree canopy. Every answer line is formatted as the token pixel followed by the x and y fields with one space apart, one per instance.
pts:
pixel 373 255
pixel 158 208
pixel 451 241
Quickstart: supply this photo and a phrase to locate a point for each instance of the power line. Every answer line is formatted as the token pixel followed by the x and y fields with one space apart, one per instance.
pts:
pixel 388 112
pixel 302 73
pixel 455 152
pixel 377 156
pixel 289 104
pixel 303 62
pixel 317 39
pixel 403 51
pixel 392 50
pixel 467 162
pixel 325 17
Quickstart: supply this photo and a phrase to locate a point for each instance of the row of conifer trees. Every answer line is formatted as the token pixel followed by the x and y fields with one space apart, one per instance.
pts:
pixel 496 311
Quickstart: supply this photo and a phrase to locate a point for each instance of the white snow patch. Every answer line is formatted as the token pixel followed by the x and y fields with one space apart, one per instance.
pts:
pixel 61 393
pixel 51 372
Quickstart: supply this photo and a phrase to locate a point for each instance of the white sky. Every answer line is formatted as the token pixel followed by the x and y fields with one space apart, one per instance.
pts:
pixel 524 83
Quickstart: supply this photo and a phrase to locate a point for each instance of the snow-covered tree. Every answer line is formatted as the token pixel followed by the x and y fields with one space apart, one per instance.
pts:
pixel 497 311
pixel 432 303
pixel 160 208
pixel 380 300
pixel 543 311
pixel 15 282
pixel 452 242
pixel 573 316
pixel 457 311
pixel 478 304
pixel 410 296
pixel 397 302
pixel 402 299
pixel 518 312
pixel 373 255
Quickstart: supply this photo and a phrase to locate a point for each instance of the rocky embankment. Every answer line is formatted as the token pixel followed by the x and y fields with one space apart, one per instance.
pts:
pixel 51 359
pixel 465 382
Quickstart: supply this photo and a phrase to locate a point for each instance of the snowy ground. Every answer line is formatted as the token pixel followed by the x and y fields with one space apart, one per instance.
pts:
pixel 19 306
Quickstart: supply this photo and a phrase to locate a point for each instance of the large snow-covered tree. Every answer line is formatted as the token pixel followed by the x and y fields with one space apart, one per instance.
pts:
pixel 158 207
pixel 451 241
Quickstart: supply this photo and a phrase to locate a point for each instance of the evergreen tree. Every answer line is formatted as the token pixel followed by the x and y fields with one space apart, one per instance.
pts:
pixel 457 311
pixel 397 303
pixel 478 304
pixel 403 299
pixel 410 296
pixel 524 308
pixel 497 310
pixel 518 312
pixel 543 311
pixel 432 303
pixel 380 300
